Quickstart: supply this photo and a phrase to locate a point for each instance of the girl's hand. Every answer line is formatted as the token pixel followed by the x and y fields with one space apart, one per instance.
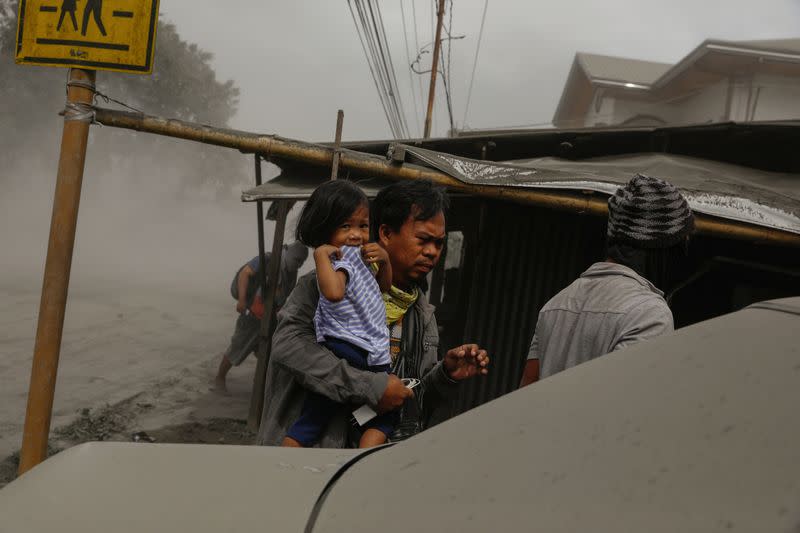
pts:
pixel 329 251
pixel 374 253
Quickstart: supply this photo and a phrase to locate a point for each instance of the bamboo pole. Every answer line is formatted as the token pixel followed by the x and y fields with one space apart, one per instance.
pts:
pixel 367 164
pixel 55 285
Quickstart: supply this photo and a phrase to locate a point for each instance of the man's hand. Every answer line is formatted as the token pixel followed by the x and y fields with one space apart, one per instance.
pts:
pixel 395 394
pixel 466 361
pixel 241 306
pixel 374 253
pixel 531 373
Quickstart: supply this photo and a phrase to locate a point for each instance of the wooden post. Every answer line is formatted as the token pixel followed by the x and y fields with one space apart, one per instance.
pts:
pixel 337 147
pixel 262 267
pixel 77 119
pixel 268 321
pixel 434 67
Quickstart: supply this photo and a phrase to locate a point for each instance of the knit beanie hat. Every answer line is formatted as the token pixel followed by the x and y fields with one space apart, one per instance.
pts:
pixel 649 213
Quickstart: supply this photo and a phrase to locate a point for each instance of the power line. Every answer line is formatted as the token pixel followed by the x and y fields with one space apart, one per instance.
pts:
pixel 396 94
pixel 371 70
pixel 385 69
pixel 371 30
pixel 475 64
pixel 433 38
pixel 410 74
pixel 433 20
pixel 448 100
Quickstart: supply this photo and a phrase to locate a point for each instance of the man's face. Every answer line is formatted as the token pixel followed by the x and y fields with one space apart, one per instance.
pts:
pixel 415 249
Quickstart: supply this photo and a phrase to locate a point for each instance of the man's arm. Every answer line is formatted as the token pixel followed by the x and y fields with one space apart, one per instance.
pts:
pixel 384 277
pixel 440 382
pixel 295 350
pixel 530 373
pixel 241 283
pixel 332 282
pixel 437 390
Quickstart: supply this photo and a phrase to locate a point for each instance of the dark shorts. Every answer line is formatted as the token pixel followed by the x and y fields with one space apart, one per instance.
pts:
pixel 244 340
pixel 318 409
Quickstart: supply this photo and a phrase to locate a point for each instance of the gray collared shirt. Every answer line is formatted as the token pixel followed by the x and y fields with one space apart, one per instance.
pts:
pixel 609 307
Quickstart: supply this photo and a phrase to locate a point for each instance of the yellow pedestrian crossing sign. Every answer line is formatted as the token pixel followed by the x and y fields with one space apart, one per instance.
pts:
pixel 92 34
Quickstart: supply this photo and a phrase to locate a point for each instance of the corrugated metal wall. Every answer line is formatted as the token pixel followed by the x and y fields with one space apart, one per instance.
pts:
pixel 525 256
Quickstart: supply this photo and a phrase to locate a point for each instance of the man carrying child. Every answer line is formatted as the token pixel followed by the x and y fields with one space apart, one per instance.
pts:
pixel 408 222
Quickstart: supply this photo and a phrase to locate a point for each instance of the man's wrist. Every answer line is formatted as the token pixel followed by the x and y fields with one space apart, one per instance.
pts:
pixel 446 374
pixel 378 382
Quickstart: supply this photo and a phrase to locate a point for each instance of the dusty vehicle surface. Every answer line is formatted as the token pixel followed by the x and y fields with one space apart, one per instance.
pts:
pixel 695 431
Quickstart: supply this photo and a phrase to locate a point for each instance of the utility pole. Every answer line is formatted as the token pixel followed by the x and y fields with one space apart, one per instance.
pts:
pixel 434 67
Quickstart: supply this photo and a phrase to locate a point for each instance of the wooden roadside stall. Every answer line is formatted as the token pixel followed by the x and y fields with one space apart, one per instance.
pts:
pixel 504 258
pixel 543 212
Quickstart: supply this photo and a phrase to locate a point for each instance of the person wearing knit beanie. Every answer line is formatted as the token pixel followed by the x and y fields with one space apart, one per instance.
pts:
pixel 620 301
pixel 649 213
pixel 649 224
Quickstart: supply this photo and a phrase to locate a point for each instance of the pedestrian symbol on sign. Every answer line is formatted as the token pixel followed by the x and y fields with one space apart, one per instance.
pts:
pixel 93 7
pixel 68 6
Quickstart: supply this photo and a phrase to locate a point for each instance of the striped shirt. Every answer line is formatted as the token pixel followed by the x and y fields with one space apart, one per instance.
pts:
pixel 360 317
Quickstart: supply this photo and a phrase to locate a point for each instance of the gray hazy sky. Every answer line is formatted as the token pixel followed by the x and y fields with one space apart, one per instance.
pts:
pixel 296 62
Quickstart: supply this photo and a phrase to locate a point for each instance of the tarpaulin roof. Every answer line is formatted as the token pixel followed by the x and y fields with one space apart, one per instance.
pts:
pixel 766 199
pixel 288 186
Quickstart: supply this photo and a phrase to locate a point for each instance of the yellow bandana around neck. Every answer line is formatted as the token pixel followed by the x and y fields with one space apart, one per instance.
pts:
pixel 398 302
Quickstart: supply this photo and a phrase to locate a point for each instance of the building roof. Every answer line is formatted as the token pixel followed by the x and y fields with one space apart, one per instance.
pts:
pixel 783 45
pixel 621 69
pixel 593 70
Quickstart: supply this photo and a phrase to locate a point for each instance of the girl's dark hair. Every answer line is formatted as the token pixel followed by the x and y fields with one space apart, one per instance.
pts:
pixel 663 267
pixel 330 205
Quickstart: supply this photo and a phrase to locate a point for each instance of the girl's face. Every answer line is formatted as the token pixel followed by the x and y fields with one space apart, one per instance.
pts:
pixel 354 231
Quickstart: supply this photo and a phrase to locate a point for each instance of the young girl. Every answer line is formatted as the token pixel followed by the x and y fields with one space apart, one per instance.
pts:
pixel 351 317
